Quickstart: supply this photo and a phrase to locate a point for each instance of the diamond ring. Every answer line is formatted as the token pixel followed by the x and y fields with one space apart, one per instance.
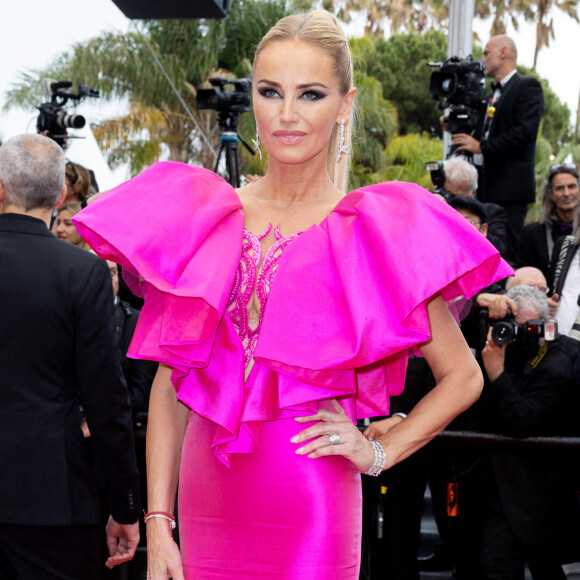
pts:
pixel 334 438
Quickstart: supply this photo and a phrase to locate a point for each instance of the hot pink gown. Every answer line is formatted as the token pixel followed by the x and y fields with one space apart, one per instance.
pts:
pixel 341 305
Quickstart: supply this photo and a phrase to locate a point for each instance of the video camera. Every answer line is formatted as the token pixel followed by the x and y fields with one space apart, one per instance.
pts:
pixel 229 104
pixel 459 85
pixel 507 330
pixel 53 121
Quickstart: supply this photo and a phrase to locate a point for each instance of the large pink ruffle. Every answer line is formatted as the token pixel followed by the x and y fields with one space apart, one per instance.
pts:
pixel 346 305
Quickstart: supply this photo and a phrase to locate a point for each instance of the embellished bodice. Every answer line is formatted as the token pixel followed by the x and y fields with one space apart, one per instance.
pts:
pixel 250 278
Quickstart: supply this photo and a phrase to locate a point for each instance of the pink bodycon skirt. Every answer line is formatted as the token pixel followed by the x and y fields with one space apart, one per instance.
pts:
pixel 272 515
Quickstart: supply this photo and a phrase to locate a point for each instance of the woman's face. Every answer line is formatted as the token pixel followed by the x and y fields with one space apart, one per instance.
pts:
pixel 297 101
pixel 66 230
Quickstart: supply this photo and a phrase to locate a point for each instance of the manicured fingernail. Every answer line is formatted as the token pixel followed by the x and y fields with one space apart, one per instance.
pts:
pixel 301 451
pixel 294 439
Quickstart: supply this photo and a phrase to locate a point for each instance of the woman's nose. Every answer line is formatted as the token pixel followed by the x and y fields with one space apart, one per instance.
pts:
pixel 289 111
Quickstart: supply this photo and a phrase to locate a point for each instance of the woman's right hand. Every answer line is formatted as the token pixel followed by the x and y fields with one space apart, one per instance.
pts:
pixel 163 557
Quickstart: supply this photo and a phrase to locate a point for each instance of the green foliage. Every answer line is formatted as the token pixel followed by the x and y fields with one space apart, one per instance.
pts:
pixel 400 64
pixel 247 23
pixel 376 121
pixel 556 128
pixel 406 157
pixel 137 153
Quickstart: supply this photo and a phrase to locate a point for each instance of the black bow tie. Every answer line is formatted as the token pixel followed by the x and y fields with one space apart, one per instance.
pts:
pixel 496 86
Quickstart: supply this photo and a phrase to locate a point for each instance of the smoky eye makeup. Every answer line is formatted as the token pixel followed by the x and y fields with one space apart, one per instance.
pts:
pixel 313 95
pixel 268 92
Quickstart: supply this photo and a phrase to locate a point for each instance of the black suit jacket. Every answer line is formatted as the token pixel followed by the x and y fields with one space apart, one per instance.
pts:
pixel 508 152
pixel 533 247
pixel 138 373
pixel 58 351
pixel 497 226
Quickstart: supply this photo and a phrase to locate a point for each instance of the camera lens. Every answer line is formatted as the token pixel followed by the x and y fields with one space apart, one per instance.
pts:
pixel 70 121
pixel 502 333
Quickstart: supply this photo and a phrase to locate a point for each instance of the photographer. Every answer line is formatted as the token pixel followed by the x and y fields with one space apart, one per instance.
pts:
pixel 511 497
pixel 461 181
pixel 507 137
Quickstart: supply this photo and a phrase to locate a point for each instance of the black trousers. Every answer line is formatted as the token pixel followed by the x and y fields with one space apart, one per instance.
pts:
pixel 489 549
pixel 51 552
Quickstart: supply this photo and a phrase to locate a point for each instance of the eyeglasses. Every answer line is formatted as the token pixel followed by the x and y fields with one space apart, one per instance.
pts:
pixel 472 221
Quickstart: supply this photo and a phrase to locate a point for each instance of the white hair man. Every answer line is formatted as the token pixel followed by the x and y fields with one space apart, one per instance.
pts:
pixel 461 179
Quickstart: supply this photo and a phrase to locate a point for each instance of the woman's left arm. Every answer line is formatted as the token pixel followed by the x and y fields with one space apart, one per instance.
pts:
pixel 458 386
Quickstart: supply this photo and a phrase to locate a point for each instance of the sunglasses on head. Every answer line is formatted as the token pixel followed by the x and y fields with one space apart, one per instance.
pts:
pixel 571 167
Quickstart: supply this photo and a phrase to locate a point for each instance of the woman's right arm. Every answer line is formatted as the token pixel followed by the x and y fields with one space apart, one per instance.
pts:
pixel 165 431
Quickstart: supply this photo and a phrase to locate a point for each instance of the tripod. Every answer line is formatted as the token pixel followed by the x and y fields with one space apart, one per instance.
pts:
pixel 229 138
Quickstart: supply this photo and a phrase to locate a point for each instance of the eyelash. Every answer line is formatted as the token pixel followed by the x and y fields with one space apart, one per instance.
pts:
pixel 316 95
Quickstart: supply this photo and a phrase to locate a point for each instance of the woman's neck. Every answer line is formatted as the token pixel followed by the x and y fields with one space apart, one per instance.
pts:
pixel 303 183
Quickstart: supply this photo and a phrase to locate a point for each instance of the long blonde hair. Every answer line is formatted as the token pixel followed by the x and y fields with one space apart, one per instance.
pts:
pixel 321 29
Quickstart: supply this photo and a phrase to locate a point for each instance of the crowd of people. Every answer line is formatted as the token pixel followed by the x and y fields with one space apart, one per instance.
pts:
pixel 291 338
pixel 482 494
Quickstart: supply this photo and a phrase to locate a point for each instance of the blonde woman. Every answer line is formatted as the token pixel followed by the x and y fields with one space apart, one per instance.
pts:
pixel 279 313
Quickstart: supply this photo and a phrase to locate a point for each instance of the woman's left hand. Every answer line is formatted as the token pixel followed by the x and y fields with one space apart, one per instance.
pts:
pixel 350 443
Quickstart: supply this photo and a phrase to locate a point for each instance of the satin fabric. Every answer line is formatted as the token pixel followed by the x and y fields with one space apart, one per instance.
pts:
pixel 272 515
pixel 346 305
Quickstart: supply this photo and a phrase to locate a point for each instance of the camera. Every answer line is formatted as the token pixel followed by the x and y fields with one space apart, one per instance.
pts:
pixel 437 172
pixel 53 120
pixel 508 331
pixel 458 82
pixel 459 85
pixel 218 99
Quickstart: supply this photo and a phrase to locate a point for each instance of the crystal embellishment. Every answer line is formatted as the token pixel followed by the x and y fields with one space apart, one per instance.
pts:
pixel 250 278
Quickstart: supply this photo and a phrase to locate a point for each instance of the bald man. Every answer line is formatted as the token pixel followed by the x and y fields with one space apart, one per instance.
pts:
pixel 499 304
pixel 507 137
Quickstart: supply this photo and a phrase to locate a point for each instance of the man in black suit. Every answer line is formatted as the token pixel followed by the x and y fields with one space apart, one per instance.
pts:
pixel 59 352
pixel 507 137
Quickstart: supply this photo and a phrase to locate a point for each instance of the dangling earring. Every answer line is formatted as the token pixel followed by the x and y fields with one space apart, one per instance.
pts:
pixel 256 143
pixel 342 148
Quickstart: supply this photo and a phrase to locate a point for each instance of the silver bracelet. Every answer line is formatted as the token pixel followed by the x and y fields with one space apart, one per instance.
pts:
pixel 379 462
pixel 402 415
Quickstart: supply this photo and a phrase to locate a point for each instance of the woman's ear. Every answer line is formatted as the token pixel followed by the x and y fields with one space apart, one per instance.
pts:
pixel 347 104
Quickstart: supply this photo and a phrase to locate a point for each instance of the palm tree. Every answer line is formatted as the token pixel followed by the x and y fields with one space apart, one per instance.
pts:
pixel 539 11
pixel 422 15
pixel 126 66
pixel 545 23
pixel 400 15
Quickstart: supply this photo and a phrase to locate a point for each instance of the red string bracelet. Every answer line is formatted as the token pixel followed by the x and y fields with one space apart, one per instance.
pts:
pixel 164 515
